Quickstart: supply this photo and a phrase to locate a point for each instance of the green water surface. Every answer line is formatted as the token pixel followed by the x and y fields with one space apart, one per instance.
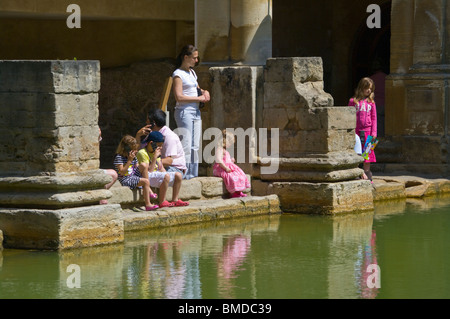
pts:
pixel 268 257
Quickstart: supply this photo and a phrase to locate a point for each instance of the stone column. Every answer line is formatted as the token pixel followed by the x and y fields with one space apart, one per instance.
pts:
pixel 318 168
pixel 236 103
pixel 417 107
pixel 50 179
pixel 234 30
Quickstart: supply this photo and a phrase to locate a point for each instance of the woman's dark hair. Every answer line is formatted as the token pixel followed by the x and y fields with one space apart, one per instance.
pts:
pixel 186 50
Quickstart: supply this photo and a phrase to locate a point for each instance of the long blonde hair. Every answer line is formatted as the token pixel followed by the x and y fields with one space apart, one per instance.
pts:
pixel 127 144
pixel 363 85
pixel 227 138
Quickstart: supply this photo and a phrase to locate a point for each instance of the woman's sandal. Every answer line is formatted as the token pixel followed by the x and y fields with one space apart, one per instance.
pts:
pixel 153 196
pixel 180 203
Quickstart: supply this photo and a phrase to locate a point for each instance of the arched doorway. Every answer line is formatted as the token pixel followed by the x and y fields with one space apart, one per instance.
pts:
pixel 371 54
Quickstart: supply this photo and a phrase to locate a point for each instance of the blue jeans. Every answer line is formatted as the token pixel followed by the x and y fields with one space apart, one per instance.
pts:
pixel 189 122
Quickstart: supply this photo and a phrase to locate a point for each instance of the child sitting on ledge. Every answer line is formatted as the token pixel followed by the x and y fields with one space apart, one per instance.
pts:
pixel 151 168
pixel 126 166
pixel 233 176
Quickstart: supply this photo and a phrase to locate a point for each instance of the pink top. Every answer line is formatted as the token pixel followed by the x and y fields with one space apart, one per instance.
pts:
pixel 366 116
pixel 172 147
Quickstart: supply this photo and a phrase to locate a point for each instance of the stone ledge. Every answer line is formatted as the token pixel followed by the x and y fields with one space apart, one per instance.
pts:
pixel 398 187
pixel 201 211
pixel 61 229
pixel 199 188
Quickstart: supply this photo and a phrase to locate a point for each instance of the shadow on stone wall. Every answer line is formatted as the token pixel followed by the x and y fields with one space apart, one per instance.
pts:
pixel 126 95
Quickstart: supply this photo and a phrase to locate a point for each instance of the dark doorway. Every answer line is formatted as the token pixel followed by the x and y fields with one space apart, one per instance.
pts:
pixel 371 58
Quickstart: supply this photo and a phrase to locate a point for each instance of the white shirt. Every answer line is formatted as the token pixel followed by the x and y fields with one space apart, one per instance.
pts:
pixel 190 85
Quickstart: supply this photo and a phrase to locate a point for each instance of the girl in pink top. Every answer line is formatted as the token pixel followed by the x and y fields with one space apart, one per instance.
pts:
pixel 233 176
pixel 366 117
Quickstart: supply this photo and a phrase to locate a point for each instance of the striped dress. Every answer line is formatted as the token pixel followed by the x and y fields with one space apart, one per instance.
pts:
pixel 133 176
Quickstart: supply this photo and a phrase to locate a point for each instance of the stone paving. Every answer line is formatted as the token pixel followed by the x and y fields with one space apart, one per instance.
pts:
pixel 387 187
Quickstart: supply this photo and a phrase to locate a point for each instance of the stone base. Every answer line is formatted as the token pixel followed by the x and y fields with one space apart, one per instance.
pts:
pixel 62 229
pixel 54 191
pixel 320 198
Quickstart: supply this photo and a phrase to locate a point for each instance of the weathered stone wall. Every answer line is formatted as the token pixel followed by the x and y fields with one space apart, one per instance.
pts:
pixel 50 181
pixel 128 93
pixel 417 96
pixel 47 120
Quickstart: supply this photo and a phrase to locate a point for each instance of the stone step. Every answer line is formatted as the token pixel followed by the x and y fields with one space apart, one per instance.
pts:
pixel 201 211
pixel 199 188
pixel 404 186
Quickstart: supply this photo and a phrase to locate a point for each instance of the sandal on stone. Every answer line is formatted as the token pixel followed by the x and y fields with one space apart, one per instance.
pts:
pixel 153 207
pixel 166 204
pixel 180 203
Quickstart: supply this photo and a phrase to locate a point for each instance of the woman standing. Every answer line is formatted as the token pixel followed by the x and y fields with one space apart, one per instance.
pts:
pixel 187 111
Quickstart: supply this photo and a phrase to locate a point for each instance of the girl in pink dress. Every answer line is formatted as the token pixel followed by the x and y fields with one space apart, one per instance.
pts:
pixel 366 117
pixel 233 176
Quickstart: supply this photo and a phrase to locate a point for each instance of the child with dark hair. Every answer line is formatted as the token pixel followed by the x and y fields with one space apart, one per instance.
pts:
pixel 152 169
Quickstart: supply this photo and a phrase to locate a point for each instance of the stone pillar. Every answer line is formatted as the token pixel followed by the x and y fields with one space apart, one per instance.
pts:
pixel 50 179
pixel 236 103
pixel 234 30
pixel 318 168
pixel 417 95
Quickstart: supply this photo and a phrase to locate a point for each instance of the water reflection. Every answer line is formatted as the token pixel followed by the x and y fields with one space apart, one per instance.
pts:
pixel 275 257
pixel 229 263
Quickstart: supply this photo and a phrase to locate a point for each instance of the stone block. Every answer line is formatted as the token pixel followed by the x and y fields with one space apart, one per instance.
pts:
pixel 294 69
pixel 62 229
pixel 190 190
pixel 212 187
pixel 50 76
pixel 388 190
pixel 324 198
pixel 283 95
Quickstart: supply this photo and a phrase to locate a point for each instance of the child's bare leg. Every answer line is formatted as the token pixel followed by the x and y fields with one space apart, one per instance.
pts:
pixel 176 186
pixel 163 188
pixel 145 183
pixel 367 171
pixel 143 168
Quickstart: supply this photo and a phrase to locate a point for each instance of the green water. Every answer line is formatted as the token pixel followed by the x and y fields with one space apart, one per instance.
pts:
pixel 276 257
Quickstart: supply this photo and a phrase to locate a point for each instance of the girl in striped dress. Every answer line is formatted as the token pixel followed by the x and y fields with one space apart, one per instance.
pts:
pixel 127 168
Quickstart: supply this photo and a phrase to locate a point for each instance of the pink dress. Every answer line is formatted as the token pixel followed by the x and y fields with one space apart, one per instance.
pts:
pixel 236 180
pixel 366 121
